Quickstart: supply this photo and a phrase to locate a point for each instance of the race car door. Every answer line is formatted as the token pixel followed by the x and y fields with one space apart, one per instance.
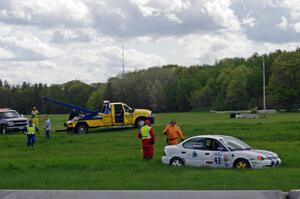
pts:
pixel 215 154
pixel 193 151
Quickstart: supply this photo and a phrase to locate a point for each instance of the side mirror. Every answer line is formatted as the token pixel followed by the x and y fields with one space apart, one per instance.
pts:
pixel 132 110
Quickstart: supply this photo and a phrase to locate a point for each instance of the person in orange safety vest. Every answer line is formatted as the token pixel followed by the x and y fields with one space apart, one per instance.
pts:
pixel 172 131
pixel 146 134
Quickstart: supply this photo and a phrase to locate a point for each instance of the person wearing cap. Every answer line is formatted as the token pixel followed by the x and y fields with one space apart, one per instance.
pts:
pixel 173 132
pixel 30 131
pixel 35 116
pixel 105 107
pixel 146 134
pixel 73 114
pixel 47 126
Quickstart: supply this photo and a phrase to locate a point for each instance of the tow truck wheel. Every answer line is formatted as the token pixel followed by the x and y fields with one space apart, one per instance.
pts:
pixel 81 128
pixel 3 129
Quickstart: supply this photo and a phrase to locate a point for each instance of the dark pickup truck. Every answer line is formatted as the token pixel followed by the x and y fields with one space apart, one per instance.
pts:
pixel 11 120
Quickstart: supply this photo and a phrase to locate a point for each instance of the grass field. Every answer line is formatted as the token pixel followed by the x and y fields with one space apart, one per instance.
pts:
pixel 111 159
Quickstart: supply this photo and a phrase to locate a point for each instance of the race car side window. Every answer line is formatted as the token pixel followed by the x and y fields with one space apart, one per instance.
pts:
pixel 195 143
pixel 214 145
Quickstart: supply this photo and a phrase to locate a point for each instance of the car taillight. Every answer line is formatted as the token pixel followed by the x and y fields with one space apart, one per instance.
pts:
pixel 260 157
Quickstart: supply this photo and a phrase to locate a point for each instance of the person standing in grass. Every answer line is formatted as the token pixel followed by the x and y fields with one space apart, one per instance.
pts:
pixel 35 116
pixel 47 126
pixel 173 132
pixel 30 131
pixel 146 134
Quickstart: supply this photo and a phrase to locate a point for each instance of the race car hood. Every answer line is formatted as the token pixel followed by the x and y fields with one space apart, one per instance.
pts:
pixel 256 152
pixel 268 154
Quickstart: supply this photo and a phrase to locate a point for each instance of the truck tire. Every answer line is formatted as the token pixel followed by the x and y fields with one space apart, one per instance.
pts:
pixel 3 129
pixel 81 128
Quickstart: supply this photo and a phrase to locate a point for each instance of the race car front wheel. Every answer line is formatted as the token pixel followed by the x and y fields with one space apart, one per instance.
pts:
pixel 176 162
pixel 241 164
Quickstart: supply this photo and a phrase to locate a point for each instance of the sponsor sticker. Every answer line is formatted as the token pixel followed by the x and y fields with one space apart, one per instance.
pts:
pixel 195 154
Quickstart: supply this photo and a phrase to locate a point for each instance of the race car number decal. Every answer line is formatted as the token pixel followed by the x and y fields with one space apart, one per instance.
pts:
pixel 217 159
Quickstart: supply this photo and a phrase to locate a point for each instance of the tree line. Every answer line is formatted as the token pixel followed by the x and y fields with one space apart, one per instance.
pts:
pixel 229 84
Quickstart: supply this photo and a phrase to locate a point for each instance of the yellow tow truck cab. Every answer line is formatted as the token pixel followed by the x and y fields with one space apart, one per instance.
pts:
pixel 111 114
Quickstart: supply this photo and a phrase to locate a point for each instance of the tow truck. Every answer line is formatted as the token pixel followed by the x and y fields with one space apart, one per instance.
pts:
pixel 112 114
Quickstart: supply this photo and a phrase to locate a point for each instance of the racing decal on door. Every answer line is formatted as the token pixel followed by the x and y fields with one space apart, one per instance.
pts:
pixel 217 160
pixel 194 154
pixel 217 157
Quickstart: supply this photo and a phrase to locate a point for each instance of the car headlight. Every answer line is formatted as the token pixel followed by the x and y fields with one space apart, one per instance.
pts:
pixel 260 157
pixel 10 123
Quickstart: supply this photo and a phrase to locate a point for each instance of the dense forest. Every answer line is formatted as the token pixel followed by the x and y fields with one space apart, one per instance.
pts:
pixel 229 84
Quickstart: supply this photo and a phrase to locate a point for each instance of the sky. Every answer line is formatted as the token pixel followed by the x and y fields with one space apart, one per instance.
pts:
pixel 55 41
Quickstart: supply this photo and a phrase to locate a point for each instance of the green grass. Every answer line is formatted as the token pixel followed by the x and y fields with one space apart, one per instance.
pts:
pixel 111 159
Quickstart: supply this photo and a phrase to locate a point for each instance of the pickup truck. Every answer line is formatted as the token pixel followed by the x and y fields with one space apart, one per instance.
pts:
pixel 11 120
pixel 119 114
pixel 116 114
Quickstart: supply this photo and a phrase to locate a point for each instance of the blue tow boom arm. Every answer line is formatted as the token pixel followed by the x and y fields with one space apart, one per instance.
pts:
pixel 89 114
pixel 78 108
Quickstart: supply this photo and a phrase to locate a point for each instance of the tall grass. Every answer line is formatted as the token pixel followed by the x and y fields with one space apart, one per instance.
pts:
pixel 111 159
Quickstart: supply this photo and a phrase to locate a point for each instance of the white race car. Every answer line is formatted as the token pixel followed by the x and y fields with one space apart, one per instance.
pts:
pixel 218 151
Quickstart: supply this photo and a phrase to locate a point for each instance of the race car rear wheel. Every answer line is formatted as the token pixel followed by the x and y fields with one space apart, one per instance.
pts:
pixel 3 129
pixel 241 164
pixel 176 162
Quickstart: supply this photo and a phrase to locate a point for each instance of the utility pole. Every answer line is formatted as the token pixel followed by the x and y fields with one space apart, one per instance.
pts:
pixel 123 61
pixel 264 85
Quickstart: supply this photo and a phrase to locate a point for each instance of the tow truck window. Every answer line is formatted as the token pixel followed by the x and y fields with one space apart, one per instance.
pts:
pixel 118 108
pixel 127 109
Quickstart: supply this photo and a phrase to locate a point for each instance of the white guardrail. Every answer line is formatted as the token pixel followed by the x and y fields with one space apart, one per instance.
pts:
pixel 93 194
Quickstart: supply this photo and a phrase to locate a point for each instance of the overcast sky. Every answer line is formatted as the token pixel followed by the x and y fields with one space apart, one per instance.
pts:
pixel 55 41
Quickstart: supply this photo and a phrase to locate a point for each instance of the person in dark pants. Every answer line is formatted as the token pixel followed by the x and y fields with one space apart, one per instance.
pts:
pixel 73 114
pixel 30 131
pixel 47 126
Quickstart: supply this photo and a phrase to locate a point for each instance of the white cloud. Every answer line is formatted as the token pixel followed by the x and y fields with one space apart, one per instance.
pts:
pixel 45 13
pixel 222 13
pixel 297 27
pixel 211 47
pixel 283 24
pixel 55 41
pixel 5 54
pixel 249 21
pixel 25 46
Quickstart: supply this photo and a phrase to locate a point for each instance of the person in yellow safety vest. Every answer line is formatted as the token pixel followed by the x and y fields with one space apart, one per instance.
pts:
pixel 172 131
pixel 146 134
pixel 35 116
pixel 30 131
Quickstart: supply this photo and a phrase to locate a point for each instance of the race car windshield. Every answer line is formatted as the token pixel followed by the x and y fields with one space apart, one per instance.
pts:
pixel 234 144
pixel 9 114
